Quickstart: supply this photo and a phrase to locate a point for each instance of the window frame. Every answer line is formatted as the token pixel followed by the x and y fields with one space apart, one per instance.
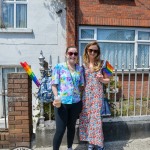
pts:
pixel 136 42
pixel 15 67
pixel 15 2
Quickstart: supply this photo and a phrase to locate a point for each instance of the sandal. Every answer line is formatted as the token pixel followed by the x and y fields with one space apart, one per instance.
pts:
pixel 91 147
pixel 100 148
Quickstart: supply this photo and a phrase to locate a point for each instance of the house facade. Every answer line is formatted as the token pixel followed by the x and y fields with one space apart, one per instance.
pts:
pixel 120 27
pixel 122 30
pixel 26 28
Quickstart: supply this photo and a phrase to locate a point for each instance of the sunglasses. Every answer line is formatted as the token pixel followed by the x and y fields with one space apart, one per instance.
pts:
pixel 71 53
pixel 93 50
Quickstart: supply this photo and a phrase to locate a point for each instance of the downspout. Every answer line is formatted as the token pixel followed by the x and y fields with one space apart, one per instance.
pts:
pixel 71 22
pixel 76 23
pixel 0 13
pixel 2 25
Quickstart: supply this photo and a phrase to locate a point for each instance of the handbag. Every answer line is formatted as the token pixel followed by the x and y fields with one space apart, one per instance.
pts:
pixel 105 109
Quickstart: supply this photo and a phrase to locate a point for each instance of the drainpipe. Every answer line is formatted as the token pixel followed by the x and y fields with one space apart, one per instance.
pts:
pixel 0 13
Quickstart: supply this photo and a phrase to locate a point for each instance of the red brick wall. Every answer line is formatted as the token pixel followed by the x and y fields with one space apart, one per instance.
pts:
pixel 115 12
pixel 19 112
pixel 138 83
pixel 131 13
pixel 4 139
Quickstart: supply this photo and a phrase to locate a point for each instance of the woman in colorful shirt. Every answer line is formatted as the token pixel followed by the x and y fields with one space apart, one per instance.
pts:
pixel 67 81
pixel 90 123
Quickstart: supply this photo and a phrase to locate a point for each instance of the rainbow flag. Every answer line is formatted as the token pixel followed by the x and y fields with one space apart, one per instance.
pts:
pixel 108 69
pixel 30 73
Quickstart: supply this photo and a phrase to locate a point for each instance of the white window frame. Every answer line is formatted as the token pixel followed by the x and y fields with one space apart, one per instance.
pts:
pixel 1 79
pixel 135 42
pixel 15 2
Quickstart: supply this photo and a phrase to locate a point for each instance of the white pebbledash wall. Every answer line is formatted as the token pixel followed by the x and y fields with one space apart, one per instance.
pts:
pixel 46 31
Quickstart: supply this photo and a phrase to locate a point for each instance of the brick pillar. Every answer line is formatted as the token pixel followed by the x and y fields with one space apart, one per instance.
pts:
pixel 4 139
pixel 19 110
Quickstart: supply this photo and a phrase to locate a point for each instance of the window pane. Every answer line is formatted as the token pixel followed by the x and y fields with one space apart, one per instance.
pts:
pixel 8 15
pixel 118 35
pixel 87 34
pixel 21 16
pixel 83 47
pixel 144 36
pixel 20 70
pixel 5 71
pixel 118 54
pixel 143 56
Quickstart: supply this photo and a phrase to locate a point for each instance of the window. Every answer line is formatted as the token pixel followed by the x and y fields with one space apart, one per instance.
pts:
pixel 122 46
pixel 3 84
pixel 14 13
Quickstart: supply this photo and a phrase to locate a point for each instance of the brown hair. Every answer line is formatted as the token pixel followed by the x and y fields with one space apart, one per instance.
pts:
pixel 97 62
pixel 70 47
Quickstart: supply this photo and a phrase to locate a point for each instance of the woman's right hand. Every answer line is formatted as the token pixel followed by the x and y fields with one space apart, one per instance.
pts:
pixel 57 103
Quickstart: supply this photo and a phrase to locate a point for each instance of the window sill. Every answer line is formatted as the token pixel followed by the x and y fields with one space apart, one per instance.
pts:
pixel 9 30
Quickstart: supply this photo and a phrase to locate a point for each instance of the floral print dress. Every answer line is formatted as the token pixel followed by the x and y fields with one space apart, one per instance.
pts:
pixel 90 123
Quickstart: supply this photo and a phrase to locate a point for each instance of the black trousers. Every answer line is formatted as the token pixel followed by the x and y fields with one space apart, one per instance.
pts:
pixel 66 116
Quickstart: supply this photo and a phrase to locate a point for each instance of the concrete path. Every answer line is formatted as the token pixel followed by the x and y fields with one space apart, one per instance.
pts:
pixel 137 144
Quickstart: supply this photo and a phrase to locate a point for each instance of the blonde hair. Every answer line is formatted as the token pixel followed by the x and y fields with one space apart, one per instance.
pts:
pixel 97 62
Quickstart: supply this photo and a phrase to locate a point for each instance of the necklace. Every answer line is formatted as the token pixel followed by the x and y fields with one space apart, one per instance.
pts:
pixel 74 72
pixel 91 68
pixel 72 69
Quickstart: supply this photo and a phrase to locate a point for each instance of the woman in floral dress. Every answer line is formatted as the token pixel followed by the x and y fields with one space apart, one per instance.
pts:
pixel 90 122
pixel 67 81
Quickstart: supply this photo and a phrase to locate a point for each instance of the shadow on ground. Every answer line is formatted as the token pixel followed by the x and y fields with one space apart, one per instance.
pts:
pixel 120 145
pixel 81 147
pixel 116 135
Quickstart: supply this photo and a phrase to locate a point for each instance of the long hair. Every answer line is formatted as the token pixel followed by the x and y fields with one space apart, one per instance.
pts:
pixel 97 62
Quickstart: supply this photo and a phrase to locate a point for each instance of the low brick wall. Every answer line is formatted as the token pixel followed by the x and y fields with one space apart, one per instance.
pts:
pixel 4 139
pixel 19 112
pixel 132 86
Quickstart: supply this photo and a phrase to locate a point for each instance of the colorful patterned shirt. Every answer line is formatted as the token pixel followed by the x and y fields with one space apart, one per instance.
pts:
pixel 68 83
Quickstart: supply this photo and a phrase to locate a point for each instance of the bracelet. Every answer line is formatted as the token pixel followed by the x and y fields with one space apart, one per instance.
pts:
pixel 55 97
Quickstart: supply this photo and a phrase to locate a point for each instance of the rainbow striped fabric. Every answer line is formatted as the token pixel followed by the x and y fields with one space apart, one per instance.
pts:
pixel 108 69
pixel 30 73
